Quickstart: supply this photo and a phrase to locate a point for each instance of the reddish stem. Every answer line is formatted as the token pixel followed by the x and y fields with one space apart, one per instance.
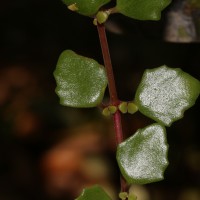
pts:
pixel 118 127
pixel 111 82
pixel 112 91
pixel 108 64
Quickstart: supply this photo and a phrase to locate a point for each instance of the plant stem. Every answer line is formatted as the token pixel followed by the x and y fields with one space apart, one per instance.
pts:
pixel 112 91
pixel 118 127
pixel 111 82
pixel 108 64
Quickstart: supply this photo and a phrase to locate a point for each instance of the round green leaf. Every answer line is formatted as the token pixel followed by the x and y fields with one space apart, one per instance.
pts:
pixel 85 7
pixel 142 9
pixel 123 107
pixel 93 193
pixel 123 195
pixel 165 93
pixel 81 81
pixel 142 158
pixel 106 112
pixel 132 108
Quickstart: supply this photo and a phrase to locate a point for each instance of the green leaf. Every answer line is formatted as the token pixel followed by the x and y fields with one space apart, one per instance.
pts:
pixel 109 110
pixel 85 7
pixel 142 158
pixel 123 107
pixel 102 16
pixel 165 93
pixel 106 112
pixel 132 197
pixel 93 193
pixel 123 195
pixel 112 109
pixel 142 9
pixel 132 108
pixel 81 81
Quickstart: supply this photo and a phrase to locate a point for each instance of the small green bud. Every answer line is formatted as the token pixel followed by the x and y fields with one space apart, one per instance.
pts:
pixel 72 7
pixel 123 107
pixel 132 197
pixel 106 112
pixel 112 109
pixel 95 21
pixel 123 195
pixel 109 110
pixel 132 108
pixel 102 16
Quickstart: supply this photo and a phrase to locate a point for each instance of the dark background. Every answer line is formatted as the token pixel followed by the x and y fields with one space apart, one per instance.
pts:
pixel 44 146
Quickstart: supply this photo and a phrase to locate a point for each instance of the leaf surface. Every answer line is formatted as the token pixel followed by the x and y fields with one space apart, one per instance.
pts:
pixel 142 158
pixel 142 9
pixel 93 193
pixel 86 7
pixel 165 93
pixel 81 81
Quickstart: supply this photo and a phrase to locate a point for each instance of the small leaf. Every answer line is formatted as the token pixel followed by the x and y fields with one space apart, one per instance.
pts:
pixel 142 158
pixel 123 195
pixel 81 81
pixel 93 193
pixel 85 7
pixel 165 93
pixel 123 107
pixel 102 16
pixel 112 109
pixel 142 9
pixel 132 108
pixel 132 197
pixel 106 112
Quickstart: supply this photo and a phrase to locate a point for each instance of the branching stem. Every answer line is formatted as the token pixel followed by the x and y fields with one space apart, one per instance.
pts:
pixel 112 91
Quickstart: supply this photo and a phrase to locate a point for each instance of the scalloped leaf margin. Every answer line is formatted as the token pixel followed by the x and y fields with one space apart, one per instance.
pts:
pixel 86 7
pixel 165 93
pixel 81 81
pixel 142 158
pixel 142 9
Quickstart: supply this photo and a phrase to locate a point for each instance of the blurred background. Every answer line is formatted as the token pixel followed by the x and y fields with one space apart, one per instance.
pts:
pixel 51 152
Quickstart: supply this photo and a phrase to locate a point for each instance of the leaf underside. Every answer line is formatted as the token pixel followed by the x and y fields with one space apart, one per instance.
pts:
pixel 142 9
pixel 142 158
pixel 86 7
pixel 81 81
pixel 93 193
pixel 165 93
